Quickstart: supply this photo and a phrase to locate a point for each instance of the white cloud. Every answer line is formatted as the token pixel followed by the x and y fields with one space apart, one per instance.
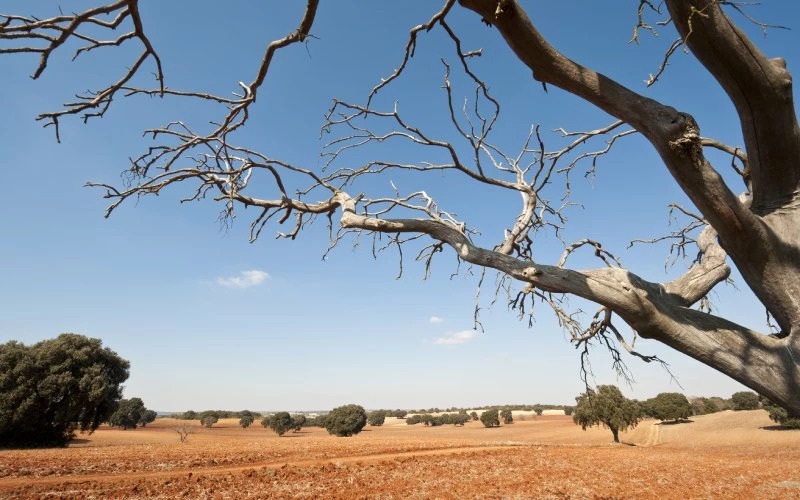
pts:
pixel 246 279
pixel 436 320
pixel 456 338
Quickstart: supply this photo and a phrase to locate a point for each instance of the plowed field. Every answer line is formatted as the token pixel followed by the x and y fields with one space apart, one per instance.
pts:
pixel 726 455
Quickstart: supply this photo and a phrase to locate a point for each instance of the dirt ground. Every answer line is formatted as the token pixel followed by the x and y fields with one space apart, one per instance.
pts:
pixel 726 455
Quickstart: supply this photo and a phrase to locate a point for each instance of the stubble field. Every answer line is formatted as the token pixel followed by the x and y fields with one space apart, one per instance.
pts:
pixel 726 455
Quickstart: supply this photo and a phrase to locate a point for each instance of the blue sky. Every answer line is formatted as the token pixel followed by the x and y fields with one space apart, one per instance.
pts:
pixel 210 320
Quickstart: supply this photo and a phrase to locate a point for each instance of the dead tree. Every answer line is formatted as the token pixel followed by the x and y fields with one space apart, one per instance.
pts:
pixel 756 231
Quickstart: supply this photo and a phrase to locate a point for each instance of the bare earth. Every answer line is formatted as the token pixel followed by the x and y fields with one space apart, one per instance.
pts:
pixel 726 455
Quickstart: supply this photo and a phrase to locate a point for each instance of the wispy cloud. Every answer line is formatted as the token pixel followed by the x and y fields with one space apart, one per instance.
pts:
pixel 436 320
pixel 245 279
pixel 456 338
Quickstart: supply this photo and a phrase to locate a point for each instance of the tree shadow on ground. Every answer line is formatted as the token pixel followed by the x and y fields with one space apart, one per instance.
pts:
pixel 777 428
pixel 676 422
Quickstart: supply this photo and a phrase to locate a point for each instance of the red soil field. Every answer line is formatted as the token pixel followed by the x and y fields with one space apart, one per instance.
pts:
pixel 729 454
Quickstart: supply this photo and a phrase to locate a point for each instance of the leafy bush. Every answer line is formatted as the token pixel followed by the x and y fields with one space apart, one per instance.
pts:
pixel 745 400
pixel 50 389
pixel 346 421
pixel 280 422
pixel 147 417
pixel 507 416
pixel 780 415
pixel 209 420
pixel 568 410
pixel 399 414
pixel 669 406
pixel 376 418
pixel 608 407
pixel 474 415
pixel 246 420
pixel 298 421
pixel 128 414
pixel 489 418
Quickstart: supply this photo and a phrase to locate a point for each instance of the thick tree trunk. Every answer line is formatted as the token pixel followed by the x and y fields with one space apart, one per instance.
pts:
pixel 615 432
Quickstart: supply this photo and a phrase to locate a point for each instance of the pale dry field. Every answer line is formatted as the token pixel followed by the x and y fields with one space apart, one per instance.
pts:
pixel 727 455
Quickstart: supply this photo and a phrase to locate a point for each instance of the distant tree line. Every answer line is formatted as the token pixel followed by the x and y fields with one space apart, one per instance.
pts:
pixel 193 415
pixel 427 419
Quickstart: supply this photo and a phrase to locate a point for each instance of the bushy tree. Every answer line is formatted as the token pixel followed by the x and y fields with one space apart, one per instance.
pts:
pixel 568 410
pixel 376 418
pixel 399 413
pixel 147 417
pixel 50 389
pixel 608 407
pixel 744 400
pixel 538 410
pixel 246 420
pixel 346 420
pixel 474 415
pixel 298 421
pixel 128 414
pixel 669 406
pixel 780 415
pixel 280 422
pixel 209 420
pixel 507 416
pixel 489 418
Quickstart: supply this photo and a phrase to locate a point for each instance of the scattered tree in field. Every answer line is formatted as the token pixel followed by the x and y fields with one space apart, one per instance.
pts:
pixel 568 410
pixel 246 420
pixel 608 407
pixel 669 406
pixel 754 231
pixel 128 414
pixel 399 414
pixel 780 415
pixel 209 420
pixel 50 389
pixel 489 418
pixel 507 416
pixel 744 400
pixel 147 417
pixel 376 418
pixel 298 421
pixel 474 415
pixel 183 432
pixel 538 410
pixel 280 422
pixel 414 419
pixel 346 420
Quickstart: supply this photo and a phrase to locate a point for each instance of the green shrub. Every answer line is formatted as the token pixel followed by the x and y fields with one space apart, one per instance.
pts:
pixel 669 406
pixel 246 420
pixel 745 400
pixel 489 418
pixel 376 418
pixel 280 422
pixel 346 421
pixel 128 414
